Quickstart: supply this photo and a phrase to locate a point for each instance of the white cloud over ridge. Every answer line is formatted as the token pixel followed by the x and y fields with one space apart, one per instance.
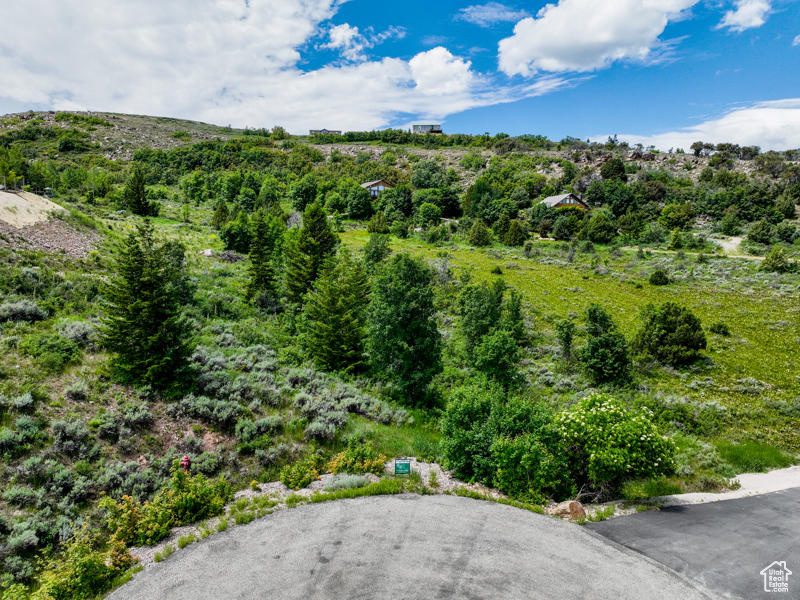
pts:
pixel 747 15
pixel 225 61
pixel 772 125
pixel 585 35
pixel 486 15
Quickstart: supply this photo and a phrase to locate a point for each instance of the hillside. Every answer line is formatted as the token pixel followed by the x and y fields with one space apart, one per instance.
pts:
pixel 279 323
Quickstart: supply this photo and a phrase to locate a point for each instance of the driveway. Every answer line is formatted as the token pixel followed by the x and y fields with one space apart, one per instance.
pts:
pixel 722 545
pixel 402 547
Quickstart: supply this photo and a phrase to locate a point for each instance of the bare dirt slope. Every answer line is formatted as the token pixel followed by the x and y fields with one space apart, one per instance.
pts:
pixel 22 209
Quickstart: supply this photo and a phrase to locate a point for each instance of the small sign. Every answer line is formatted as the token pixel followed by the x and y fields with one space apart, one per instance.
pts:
pixel 402 466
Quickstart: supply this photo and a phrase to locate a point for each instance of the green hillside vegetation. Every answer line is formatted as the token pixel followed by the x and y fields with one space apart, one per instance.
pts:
pixel 454 318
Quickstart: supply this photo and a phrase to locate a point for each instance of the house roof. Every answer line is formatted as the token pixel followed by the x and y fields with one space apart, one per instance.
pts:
pixel 552 201
pixel 369 184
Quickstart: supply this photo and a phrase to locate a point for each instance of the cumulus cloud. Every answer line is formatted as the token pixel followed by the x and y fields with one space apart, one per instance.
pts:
pixel 773 125
pixel 226 61
pixel 486 15
pixel 585 35
pixel 747 14
pixel 353 44
pixel 796 41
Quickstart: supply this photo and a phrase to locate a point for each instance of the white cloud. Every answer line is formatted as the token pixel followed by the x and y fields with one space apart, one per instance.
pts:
pixel 486 15
pixel 347 39
pixel 352 44
pixel 773 125
pixel 796 41
pixel 225 61
pixel 584 35
pixel 746 15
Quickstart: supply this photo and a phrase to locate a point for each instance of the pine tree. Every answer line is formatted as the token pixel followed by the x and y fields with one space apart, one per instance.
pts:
pixel 261 287
pixel 404 343
pixel 135 195
pixel 221 215
pixel 143 326
pixel 306 251
pixel 335 315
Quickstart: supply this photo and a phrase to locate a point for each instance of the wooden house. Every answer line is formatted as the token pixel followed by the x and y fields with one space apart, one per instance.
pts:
pixel 565 201
pixel 376 187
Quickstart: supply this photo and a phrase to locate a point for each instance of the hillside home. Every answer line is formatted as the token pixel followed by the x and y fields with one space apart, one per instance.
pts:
pixel 565 201
pixel 376 187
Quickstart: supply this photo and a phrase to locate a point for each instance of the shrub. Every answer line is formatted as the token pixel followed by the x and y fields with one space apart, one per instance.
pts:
pixel 605 354
pixel 25 403
pixel 83 333
pixel 358 458
pixel 776 261
pixel 497 355
pixel 511 445
pixel 377 248
pixel 222 413
pixel 52 351
pixel 479 234
pixel 720 328
pixel 301 473
pixel 761 232
pixel 186 499
pixel 659 277
pixel 82 572
pixel 607 444
pixel 515 236
pixel 77 391
pixel 345 482
pixel 671 334
pixel 70 437
pixel 23 310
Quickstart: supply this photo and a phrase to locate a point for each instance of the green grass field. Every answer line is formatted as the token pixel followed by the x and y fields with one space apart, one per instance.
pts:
pixel 748 372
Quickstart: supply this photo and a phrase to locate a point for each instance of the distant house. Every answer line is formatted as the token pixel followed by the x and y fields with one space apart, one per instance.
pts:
pixel 376 187
pixel 565 200
pixel 324 132
pixel 426 128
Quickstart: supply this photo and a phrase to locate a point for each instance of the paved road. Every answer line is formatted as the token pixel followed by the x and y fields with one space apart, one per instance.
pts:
pixel 721 545
pixel 403 547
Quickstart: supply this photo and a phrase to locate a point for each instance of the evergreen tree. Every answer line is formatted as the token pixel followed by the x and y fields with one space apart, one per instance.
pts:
pixel 267 235
pixel 221 215
pixel 143 326
pixel 479 234
pixel 515 236
pixel 480 307
pixel 605 355
pixel 403 342
pixel 306 250
pixel 135 195
pixel 334 323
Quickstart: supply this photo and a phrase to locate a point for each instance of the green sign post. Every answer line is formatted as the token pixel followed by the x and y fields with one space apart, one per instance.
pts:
pixel 402 466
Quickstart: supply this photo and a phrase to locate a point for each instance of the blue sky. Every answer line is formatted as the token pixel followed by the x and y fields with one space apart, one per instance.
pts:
pixel 653 71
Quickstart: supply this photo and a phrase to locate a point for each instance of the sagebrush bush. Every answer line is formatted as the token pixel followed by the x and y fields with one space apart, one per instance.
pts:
pixel 607 444
pixel 22 310
pixel 345 482
pixel 83 333
pixel 222 413
pixel 70 437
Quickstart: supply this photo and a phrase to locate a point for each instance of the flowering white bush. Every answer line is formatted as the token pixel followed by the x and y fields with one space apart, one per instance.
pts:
pixel 608 443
